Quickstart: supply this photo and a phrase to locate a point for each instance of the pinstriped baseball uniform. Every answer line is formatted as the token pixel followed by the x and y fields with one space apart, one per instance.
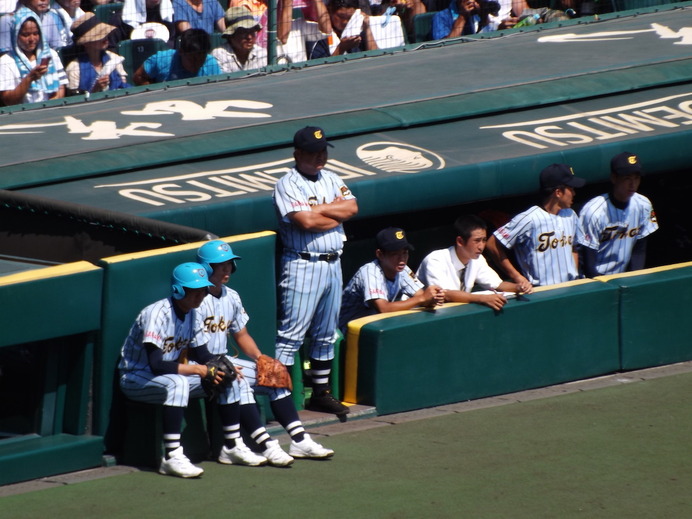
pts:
pixel 223 316
pixel 542 243
pixel 370 283
pixel 613 232
pixel 157 324
pixel 309 289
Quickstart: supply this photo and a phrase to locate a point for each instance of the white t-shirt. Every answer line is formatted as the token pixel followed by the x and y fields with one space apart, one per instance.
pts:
pixel 302 31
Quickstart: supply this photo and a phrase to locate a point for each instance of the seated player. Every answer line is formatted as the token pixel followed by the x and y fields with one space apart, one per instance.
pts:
pixel 222 313
pixel 386 284
pixel 163 362
pixel 461 267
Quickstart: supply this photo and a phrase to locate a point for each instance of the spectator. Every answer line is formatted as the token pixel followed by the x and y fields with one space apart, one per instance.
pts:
pixel 311 204
pixel 54 31
pixel 69 11
pixel 386 284
pixel 139 12
pixel 464 17
pixel 259 11
pixel 96 69
pixel 295 36
pixel 340 14
pixel 30 72
pixel 544 237
pixel 163 362
pixel 192 59
pixel 405 9
pixel 198 14
pixel 222 314
pixel 240 51
pixel 461 267
pixel 617 224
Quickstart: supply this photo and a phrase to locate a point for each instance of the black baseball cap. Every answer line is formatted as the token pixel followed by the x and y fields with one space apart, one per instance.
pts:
pixel 392 238
pixel 625 163
pixel 311 139
pixel 557 175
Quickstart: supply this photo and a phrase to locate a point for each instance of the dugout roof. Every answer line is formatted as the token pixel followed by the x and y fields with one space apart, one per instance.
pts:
pixel 443 124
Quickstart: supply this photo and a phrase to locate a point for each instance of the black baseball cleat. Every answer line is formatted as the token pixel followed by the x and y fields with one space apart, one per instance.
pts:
pixel 326 403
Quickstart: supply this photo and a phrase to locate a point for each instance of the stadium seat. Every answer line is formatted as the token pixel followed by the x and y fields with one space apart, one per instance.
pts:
pixel 136 51
pixel 216 39
pixel 104 12
pixel 422 27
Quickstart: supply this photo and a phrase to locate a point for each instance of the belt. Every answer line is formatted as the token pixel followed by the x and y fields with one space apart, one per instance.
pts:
pixel 332 256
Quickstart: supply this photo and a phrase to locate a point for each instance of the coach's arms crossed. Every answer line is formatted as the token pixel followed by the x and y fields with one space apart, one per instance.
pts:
pixel 323 217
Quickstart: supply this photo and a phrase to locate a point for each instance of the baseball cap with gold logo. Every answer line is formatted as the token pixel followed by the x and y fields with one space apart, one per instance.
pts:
pixel 558 175
pixel 392 238
pixel 625 163
pixel 310 139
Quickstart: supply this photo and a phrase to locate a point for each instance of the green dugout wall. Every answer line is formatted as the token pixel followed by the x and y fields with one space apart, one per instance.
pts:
pixel 465 351
pixel 50 317
pixel 654 316
pixel 566 332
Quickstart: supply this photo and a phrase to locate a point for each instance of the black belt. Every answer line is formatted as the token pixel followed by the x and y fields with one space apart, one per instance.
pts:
pixel 332 256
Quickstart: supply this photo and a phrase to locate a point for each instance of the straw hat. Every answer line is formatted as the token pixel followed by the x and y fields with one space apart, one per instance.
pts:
pixel 237 17
pixel 88 28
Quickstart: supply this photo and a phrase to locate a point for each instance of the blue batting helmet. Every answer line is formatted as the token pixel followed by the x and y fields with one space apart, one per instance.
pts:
pixel 215 251
pixel 190 275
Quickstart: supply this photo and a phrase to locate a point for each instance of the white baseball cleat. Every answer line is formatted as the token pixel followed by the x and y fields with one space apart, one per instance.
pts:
pixel 179 465
pixel 241 455
pixel 309 449
pixel 275 455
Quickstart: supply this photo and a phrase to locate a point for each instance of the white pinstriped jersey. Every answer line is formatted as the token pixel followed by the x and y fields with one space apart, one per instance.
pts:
pixel 370 283
pixel 542 244
pixel 220 316
pixel 613 232
pixel 157 324
pixel 293 192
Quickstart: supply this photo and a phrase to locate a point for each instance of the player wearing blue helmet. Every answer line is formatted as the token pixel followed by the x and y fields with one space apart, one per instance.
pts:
pixel 616 224
pixel 222 314
pixel 544 237
pixel 163 362
pixel 311 205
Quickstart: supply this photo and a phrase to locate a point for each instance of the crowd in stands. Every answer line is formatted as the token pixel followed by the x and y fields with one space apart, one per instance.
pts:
pixel 55 48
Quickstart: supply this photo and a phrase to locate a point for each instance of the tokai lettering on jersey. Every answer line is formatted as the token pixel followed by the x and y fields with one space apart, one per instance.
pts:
pixel 170 344
pixel 546 241
pixel 211 326
pixel 617 232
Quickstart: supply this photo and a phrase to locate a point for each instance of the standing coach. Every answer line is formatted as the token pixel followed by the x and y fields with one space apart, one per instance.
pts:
pixel 311 204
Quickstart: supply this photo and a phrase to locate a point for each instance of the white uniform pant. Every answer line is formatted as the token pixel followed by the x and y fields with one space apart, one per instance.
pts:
pixel 171 390
pixel 309 301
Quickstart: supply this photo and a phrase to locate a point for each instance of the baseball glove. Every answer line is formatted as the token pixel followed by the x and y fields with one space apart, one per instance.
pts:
pixel 272 373
pixel 218 363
